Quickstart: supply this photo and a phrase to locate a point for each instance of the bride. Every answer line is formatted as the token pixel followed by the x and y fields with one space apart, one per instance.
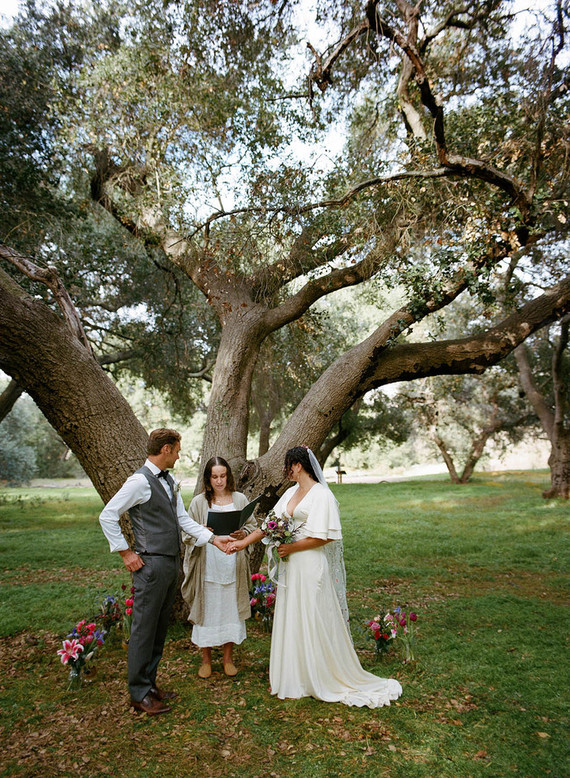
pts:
pixel 311 649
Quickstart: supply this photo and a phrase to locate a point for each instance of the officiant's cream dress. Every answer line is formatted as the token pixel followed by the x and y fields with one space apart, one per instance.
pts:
pixel 311 649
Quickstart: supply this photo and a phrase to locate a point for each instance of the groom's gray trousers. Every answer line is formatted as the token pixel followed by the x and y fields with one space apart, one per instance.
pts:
pixel 155 589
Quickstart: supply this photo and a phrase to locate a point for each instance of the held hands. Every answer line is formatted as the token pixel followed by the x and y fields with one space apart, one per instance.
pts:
pixel 235 545
pixel 221 542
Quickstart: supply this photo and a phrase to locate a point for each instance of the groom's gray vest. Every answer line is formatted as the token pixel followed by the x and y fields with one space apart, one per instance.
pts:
pixel 155 525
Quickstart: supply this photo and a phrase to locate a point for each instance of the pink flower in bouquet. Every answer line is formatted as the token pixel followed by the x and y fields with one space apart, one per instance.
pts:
pixel 271 524
pixel 70 650
pixel 253 601
pixel 91 627
pixel 270 599
pixel 88 639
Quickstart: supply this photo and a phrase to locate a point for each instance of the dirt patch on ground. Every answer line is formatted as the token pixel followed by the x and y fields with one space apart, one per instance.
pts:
pixel 464 581
pixel 27 575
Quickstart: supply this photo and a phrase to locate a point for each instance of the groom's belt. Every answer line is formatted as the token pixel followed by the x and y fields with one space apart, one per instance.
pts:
pixel 152 553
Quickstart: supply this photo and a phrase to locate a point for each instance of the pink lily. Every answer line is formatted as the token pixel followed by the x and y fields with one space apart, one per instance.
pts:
pixel 70 650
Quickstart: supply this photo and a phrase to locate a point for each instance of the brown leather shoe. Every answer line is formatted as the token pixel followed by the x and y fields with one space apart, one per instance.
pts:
pixel 150 705
pixel 161 694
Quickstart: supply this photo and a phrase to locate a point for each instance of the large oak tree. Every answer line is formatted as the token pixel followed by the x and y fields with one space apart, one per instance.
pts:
pixel 455 167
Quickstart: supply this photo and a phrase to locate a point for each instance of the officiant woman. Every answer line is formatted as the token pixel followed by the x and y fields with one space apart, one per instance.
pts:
pixel 216 585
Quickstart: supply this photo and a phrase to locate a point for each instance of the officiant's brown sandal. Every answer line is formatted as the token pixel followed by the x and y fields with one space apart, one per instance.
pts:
pixel 230 669
pixel 205 671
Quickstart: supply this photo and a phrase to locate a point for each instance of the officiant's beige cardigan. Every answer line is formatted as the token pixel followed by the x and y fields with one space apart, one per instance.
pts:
pixel 195 563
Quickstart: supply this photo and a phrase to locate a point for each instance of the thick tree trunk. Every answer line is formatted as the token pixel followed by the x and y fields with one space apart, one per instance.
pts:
pixel 559 463
pixel 228 408
pixel 71 389
pixel 8 398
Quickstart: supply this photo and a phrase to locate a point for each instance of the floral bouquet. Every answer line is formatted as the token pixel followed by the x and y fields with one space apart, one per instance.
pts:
pixel 277 530
pixel 395 624
pixel 262 599
pixel 79 649
pixel 128 615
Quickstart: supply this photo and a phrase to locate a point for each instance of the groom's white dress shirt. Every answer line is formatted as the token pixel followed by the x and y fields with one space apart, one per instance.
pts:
pixel 135 491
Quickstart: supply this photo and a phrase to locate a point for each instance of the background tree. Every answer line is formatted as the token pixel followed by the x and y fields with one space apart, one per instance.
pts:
pixel 461 414
pixel 544 370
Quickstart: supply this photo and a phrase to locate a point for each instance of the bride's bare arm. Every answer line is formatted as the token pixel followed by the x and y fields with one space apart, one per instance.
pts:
pixel 300 545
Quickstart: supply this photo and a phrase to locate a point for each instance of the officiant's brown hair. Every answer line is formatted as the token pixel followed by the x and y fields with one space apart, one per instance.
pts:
pixel 230 483
pixel 161 437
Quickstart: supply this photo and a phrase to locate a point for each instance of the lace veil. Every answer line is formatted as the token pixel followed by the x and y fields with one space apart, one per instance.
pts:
pixel 334 551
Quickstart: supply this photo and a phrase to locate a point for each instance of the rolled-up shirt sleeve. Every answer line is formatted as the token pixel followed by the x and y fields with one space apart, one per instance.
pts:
pixel 198 531
pixel 134 491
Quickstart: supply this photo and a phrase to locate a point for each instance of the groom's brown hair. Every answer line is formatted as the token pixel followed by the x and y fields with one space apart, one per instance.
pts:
pixel 161 437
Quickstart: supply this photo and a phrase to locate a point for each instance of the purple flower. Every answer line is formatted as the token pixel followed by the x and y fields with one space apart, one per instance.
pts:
pixel 402 622
pixel 413 617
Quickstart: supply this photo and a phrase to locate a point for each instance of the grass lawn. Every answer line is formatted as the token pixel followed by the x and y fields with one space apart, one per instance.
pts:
pixel 484 565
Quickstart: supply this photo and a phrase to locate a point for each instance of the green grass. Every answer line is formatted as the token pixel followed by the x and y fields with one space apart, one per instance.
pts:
pixel 484 565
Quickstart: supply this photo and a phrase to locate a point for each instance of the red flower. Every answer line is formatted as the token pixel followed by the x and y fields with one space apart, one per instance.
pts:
pixel 413 617
pixel 128 611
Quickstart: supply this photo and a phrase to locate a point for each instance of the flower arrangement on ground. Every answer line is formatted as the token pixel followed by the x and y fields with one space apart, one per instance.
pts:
pixel 111 614
pixel 79 650
pixel 128 614
pixel 395 624
pixel 262 599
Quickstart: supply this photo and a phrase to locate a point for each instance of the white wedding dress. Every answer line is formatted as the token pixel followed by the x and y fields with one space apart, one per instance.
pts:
pixel 311 649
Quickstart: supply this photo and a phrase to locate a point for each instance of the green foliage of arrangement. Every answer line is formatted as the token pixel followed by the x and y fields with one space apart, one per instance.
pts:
pixel 483 565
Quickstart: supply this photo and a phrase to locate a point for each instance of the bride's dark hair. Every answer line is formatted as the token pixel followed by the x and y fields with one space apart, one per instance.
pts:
pixel 299 455
pixel 208 488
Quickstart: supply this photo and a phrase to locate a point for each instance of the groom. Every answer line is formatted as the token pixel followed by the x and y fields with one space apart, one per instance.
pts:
pixel 157 512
